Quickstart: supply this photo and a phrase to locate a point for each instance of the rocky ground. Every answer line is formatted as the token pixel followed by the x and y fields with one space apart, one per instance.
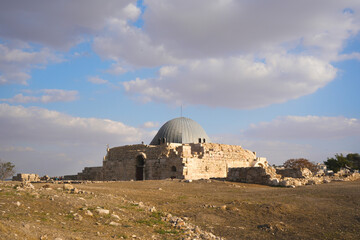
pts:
pixel 172 209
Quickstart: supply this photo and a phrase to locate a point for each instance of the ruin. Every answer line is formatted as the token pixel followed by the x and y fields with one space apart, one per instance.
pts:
pixel 181 149
pixel 23 177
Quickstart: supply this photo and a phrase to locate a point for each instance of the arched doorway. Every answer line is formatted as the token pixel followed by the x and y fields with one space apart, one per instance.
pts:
pixel 140 167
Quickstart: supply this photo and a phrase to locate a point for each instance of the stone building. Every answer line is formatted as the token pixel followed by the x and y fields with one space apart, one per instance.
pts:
pixel 181 149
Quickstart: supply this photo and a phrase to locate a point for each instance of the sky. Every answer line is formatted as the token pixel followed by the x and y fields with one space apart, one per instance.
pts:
pixel 279 77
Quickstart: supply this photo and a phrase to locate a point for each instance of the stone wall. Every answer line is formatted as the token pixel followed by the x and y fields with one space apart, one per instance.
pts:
pixel 26 177
pixel 210 160
pixel 182 161
pixel 294 172
pixel 257 175
pixel 91 173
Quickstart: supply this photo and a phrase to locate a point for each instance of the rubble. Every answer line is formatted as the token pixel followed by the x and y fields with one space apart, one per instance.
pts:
pixel 285 177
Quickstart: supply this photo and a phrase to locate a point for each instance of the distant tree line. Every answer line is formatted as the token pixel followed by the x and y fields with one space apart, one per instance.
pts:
pixel 350 161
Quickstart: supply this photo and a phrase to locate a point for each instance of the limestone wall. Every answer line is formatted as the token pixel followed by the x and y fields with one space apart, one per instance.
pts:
pixel 26 177
pixel 91 173
pixel 257 175
pixel 211 160
pixel 189 161
pixel 294 173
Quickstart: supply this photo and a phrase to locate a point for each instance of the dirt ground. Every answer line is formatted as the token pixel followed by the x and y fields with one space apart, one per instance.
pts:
pixel 146 210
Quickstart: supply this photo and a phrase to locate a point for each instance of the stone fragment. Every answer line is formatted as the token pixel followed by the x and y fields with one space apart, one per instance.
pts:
pixel 44 237
pixel 78 217
pixel 114 224
pixel 88 213
pixel 115 216
pixel 68 186
pixel 223 207
pixel 102 211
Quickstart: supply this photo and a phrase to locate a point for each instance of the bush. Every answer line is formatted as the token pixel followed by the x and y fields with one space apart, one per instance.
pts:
pixel 7 169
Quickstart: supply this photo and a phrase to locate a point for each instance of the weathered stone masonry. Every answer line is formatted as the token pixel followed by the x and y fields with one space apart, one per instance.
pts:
pixel 171 160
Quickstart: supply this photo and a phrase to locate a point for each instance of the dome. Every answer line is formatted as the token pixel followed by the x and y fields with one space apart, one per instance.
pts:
pixel 180 130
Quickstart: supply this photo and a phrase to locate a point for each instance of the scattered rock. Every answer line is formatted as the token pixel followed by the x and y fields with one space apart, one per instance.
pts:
pixel 152 209
pixel 44 237
pixel 102 211
pixel 114 223
pixel 18 203
pixel 88 213
pixel 68 186
pixel 223 207
pixel 115 216
pixel 78 217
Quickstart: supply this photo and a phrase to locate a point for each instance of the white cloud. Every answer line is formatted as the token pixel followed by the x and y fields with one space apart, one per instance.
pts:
pixel 238 54
pixel 305 127
pixel 59 24
pixel 131 11
pixel 116 69
pixel 204 29
pixel 48 95
pixel 97 80
pixel 16 63
pixel 240 82
pixel 354 55
pixel 150 125
pixel 16 149
pixel 124 43
pixel 313 137
pixel 50 134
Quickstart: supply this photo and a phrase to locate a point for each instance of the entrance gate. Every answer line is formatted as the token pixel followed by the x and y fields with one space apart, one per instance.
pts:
pixel 140 167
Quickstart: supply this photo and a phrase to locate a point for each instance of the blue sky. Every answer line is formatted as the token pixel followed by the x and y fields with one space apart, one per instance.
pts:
pixel 277 77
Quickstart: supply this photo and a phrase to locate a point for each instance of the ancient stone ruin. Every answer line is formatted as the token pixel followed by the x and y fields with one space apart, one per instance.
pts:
pixel 285 177
pixel 181 149
pixel 25 177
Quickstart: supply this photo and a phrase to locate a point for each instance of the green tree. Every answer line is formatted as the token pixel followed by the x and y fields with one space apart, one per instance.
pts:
pixel 354 158
pixel 338 162
pixel 300 163
pixel 7 169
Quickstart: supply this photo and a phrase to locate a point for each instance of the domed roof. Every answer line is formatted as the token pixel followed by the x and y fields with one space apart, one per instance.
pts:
pixel 180 130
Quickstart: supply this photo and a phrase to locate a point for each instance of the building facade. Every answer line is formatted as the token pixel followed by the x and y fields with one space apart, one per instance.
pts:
pixel 181 149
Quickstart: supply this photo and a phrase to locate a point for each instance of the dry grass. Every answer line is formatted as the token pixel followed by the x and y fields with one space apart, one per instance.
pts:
pixel 230 210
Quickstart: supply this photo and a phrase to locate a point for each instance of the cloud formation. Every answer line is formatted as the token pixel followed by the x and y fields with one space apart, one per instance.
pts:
pixel 305 127
pixel 16 63
pixel 240 82
pixel 59 24
pixel 237 54
pixel 50 142
pixel 47 96
pixel 97 80
pixel 313 137
pixel 229 50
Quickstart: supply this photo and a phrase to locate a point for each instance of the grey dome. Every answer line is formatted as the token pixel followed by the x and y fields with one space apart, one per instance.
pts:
pixel 180 130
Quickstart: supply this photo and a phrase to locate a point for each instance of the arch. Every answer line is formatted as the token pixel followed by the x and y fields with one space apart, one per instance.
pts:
pixel 140 167
pixel 258 164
